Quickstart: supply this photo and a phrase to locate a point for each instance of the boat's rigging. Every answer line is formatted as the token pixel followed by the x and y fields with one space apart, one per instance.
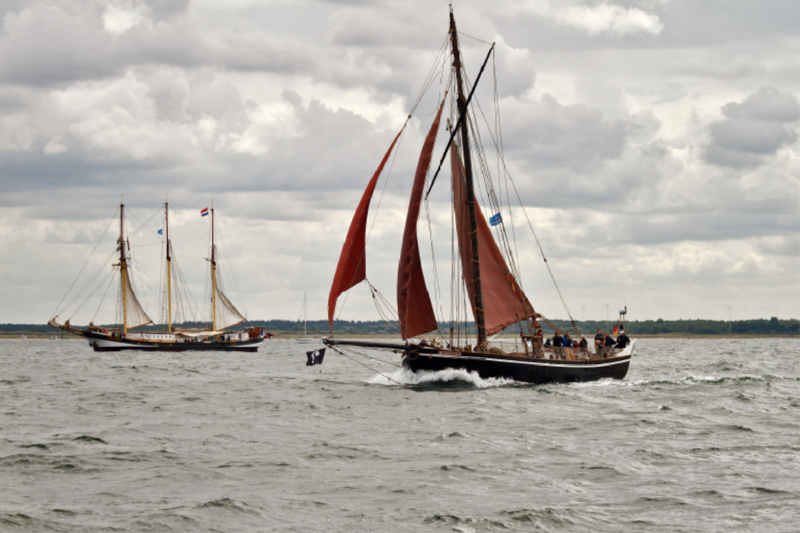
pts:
pixel 229 273
pixel 110 282
pixel 111 221
pixel 497 140
pixel 457 127
pixel 386 312
pixel 342 352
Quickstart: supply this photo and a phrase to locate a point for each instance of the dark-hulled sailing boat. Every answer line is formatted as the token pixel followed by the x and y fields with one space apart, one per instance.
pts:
pixel 496 298
pixel 224 314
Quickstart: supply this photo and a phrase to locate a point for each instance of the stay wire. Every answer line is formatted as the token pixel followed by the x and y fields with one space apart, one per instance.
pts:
pixel 87 262
pixel 364 365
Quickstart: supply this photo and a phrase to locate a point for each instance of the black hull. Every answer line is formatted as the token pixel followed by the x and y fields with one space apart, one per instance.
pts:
pixel 528 370
pixel 105 343
pixel 536 371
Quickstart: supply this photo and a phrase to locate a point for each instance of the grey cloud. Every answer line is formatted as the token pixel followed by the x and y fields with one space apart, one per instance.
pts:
pixel 47 45
pixel 753 129
pixel 164 9
pixel 551 134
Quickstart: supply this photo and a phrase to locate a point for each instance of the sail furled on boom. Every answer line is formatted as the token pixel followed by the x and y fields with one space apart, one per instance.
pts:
pixel 413 301
pixel 135 315
pixel 503 300
pixel 352 267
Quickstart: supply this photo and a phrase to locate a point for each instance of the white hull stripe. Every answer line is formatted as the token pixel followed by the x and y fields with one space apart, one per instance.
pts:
pixel 149 345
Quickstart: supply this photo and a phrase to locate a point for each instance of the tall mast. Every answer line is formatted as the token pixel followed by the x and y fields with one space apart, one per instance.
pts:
pixel 169 270
pixel 480 323
pixel 123 268
pixel 305 317
pixel 213 275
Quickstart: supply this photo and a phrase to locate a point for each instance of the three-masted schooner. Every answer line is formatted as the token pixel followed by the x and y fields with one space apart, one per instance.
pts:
pixel 495 295
pixel 224 314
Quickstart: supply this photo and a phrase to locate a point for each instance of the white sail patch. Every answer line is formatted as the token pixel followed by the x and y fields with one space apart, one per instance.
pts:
pixel 135 315
pixel 227 314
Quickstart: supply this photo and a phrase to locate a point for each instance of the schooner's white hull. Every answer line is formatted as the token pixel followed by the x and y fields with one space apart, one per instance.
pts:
pixel 102 342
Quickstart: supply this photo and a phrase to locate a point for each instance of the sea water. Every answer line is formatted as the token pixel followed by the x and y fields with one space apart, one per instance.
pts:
pixel 702 435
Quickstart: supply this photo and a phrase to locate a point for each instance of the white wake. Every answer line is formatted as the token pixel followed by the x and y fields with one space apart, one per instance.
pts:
pixel 403 376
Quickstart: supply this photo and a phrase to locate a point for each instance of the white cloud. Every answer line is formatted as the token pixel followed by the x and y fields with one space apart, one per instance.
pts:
pixel 596 18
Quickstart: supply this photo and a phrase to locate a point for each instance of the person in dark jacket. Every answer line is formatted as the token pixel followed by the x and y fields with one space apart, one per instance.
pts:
pixel 558 340
pixel 583 344
pixel 598 340
pixel 608 341
pixel 622 340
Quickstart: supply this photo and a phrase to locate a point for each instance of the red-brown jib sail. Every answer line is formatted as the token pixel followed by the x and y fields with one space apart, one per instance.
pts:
pixel 503 301
pixel 414 307
pixel 352 267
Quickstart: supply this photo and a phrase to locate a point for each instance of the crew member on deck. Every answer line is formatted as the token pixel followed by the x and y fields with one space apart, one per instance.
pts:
pixel 598 340
pixel 608 342
pixel 558 340
pixel 622 340
pixel 567 340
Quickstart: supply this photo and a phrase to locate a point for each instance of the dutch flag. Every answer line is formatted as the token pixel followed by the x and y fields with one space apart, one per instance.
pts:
pixel 204 212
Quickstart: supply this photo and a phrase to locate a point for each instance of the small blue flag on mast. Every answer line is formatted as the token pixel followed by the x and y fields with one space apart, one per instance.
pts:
pixel 161 232
pixel 495 220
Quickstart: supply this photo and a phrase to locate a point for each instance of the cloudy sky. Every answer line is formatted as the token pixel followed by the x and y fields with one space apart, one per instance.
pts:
pixel 654 144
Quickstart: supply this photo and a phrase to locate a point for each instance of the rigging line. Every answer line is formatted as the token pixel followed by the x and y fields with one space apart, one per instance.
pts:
pixel 352 350
pixel 501 155
pixel 436 284
pixel 231 274
pixel 88 296
pixel 536 238
pixel 86 286
pixel 143 224
pixel 362 364
pixel 205 240
pixel 460 119
pixel 431 76
pixel 471 37
pixel 87 261
pixel 113 275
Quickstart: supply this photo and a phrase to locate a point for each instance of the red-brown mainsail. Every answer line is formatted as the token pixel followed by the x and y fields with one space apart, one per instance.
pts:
pixel 504 303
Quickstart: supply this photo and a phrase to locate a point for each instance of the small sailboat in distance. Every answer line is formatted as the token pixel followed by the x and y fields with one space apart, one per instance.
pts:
pixel 306 339
pixel 224 315
pixel 488 277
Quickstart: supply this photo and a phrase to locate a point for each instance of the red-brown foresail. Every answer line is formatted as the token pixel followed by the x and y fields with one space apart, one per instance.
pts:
pixel 352 267
pixel 503 301
pixel 414 307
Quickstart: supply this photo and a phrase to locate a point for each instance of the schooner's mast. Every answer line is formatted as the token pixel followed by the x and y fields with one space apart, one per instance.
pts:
pixel 213 275
pixel 480 323
pixel 169 271
pixel 123 269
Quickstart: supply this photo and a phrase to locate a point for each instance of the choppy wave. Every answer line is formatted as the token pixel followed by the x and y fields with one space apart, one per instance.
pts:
pixel 692 440
pixel 404 376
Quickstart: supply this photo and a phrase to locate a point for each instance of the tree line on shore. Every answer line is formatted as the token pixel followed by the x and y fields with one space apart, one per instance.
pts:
pixel 772 326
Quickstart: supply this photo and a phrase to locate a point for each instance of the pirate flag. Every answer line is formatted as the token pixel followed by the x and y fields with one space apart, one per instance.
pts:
pixel 315 357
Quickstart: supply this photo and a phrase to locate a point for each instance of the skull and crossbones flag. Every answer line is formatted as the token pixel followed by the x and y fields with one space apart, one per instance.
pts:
pixel 315 357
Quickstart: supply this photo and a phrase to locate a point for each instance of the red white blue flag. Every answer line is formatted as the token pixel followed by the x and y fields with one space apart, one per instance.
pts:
pixel 204 212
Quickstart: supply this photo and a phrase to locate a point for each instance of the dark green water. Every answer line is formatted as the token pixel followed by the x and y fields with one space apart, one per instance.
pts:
pixel 701 436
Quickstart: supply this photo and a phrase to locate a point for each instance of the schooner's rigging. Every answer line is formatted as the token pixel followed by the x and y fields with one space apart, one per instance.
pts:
pixel 223 313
